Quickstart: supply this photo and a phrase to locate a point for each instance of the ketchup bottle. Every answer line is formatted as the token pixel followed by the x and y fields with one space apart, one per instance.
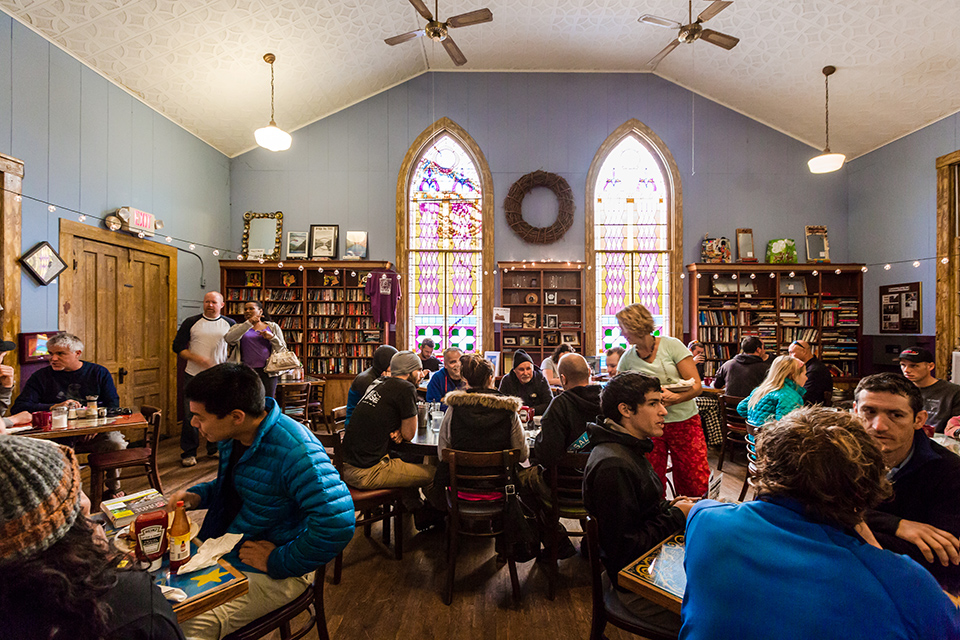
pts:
pixel 178 536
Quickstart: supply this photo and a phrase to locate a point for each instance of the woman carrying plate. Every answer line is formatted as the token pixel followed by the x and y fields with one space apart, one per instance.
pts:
pixel 253 341
pixel 668 360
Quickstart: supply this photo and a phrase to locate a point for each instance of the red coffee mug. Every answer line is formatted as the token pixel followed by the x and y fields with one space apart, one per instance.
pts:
pixel 526 415
pixel 43 420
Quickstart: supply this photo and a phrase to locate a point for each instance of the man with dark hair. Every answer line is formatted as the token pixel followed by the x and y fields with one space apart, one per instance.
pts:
pixel 199 341
pixel 741 375
pixel 819 384
pixel 360 384
pixel 275 486
pixel 941 399
pixel 699 355
pixel 922 519
pixel 447 379
pixel 802 546
pixel 613 359
pixel 427 359
pixel 388 412
pixel 527 382
pixel 622 491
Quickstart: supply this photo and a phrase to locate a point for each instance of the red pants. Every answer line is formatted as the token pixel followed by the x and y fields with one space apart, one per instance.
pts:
pixel 688 453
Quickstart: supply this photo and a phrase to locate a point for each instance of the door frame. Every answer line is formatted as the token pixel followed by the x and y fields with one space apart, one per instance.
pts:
pixel 70 230
pixel 11 173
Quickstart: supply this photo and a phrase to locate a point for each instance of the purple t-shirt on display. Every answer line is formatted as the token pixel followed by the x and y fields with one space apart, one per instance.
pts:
pixel 254 349
pixel 383 287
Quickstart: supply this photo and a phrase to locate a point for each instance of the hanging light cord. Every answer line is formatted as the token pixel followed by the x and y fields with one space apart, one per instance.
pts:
pixel 826 80
pixel 272 119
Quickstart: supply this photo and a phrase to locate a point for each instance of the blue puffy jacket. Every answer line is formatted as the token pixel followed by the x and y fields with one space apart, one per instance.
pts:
pixel 775 404
pixel 292 496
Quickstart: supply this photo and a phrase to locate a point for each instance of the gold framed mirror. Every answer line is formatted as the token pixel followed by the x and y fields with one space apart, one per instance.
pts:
pixel 262 235
pixel 745 246
pixel 818 249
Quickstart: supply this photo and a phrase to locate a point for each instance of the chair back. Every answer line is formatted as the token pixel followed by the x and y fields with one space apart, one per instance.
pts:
pixel 154 417
pixel 596 572
pixel 339 416
pixel 331 442
pixel 729 414
pixel 293 398
pixel 480 475
pixel 566 485
pixel 310 600
pixel 315 411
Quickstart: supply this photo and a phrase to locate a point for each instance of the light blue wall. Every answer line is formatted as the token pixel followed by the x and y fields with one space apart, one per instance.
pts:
pixel 893 215
pixel 88 146
pixel 736 173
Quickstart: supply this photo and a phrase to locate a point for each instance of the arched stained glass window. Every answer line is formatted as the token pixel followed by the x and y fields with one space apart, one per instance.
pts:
pixel 633 244
pixel 445 247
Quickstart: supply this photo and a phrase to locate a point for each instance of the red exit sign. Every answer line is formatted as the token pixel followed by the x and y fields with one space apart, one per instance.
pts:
pixel 137 221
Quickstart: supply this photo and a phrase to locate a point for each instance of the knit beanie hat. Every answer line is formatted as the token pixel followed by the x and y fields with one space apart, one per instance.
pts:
pixel 39 495
pixel 404 362
pixel 381 357
pixel 519 357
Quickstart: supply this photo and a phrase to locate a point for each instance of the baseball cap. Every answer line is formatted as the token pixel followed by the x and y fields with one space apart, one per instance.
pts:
pixel 916 354
pixel 6 345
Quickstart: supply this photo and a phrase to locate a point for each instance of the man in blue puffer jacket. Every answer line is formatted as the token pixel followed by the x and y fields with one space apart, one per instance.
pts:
pixel 275 485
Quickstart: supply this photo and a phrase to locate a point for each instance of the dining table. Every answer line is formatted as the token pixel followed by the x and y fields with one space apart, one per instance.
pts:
pixel 658 575
pixel 86 427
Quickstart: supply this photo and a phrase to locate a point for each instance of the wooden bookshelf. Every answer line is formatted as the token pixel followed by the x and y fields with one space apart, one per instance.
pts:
pixel 325 315
pixel 779 304
pixel 537 325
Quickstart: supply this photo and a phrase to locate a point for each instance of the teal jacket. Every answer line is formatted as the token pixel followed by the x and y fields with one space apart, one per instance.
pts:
pixel 775 404
pixel 292 496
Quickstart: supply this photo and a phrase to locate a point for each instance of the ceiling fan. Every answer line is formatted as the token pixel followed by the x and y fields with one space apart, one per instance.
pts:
pixel 691 31
pixel 436 30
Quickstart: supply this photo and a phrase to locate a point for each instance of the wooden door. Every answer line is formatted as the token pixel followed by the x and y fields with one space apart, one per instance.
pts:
pixel 118 297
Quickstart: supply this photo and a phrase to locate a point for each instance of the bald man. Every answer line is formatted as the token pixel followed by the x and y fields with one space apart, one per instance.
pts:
pixel 565 422
pixel 819 386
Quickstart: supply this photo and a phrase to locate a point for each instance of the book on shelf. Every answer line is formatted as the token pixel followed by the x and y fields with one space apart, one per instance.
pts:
pixel 124 510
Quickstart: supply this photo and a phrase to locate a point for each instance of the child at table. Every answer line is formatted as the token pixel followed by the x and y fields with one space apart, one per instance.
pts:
pixel 57 546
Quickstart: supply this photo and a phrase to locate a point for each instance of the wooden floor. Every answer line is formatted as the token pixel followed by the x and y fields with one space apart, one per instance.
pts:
pixel 382 598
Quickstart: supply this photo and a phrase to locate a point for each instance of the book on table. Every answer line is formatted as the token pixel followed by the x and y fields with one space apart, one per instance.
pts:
pixel 124 510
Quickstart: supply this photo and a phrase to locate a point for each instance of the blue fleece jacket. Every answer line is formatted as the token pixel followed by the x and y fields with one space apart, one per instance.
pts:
pixel 775 404
pixel 292 496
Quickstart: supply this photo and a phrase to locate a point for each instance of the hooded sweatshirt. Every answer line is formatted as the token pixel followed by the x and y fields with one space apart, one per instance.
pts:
pixel 564 425
pixel 741 375
pixel 535 394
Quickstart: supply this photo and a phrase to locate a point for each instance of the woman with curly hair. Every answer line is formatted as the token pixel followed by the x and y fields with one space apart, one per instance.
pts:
pixel 669 361
pixel 802 547
pixel 58 576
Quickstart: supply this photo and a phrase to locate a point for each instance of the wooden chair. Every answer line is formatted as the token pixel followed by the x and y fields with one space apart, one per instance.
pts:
pixel 294 399
pixel 566 501
pixel 315 413
pixel 374 505
pixel 145 456
pixel 734 426
pixel 752 431
pixel 606 605
pixel 482 473
pixel 310 600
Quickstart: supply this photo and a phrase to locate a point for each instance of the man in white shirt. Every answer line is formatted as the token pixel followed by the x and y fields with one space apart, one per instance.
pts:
pixel 200 342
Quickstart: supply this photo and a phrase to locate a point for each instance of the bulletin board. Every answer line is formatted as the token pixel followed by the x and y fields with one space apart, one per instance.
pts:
pixel 900 308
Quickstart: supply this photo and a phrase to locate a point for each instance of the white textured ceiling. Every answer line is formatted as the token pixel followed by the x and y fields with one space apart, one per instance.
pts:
pixel 199 62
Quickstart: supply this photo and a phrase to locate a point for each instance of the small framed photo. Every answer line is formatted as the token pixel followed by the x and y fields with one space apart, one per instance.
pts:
pixel 494 358
pixel 356 245
pixel 552 339
pixel 254 279
pixel 297 245
pixel 550 321
pixel 550 297
pixel 324 240
pixel 526 341
pixel 510 340
pixel 501 314
pixel 530 321
pixel 570 338
pixel 33 346
pixel 43 263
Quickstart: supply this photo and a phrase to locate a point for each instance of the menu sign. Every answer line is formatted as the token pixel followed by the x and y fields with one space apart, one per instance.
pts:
pixel 900 308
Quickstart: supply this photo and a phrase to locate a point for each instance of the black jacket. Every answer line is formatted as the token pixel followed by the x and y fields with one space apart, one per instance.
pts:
pixel 741 375
pixel 566 421
pixel 819 384
pixel 926 489
pixel 622 491
pixel 535 394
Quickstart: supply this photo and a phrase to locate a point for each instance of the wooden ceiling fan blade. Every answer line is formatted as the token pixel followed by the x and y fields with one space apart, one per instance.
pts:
pixel 711 11
pixel 473 17
pixel 719 39
pixel 422 9
pixel 655 60
pixel 404 37
pixel 659 22
pixel 454 52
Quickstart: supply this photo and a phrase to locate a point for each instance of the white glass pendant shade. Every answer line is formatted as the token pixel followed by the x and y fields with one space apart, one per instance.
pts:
pixel 826 162
pixel 273 137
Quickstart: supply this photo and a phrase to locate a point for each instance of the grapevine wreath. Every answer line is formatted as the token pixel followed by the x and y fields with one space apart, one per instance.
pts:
pixel 513 207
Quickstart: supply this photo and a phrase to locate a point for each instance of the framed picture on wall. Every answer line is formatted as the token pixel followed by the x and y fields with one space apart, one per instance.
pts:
pixel 510 340
pixel 297 245
pixel 324 240
pixel 43 263
pixel 356 245
pixel 570 338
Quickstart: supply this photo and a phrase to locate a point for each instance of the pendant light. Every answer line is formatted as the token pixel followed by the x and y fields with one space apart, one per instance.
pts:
pixel 272 137
pixel 826 161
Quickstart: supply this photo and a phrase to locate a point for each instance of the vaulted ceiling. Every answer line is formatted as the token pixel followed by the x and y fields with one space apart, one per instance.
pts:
pixel 199 62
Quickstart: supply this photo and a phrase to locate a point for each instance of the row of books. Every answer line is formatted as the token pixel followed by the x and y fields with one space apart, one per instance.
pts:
pixel 340 322
pixel 334 350
pixel 335 365
pixel 243 294
pixel 715 318
pixel 325 294
pixel 794 333
pixel 291 322
pixel 718 334
pixel 282 294
pixel 284 309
